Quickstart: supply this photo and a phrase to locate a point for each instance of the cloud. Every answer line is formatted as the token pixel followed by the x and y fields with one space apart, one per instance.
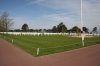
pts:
pixel 57 4
pixel 30 2
pixel 55 19
pixel 91 13
pixel 70 11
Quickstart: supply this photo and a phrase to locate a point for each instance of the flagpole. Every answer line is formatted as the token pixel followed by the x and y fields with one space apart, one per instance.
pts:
pixel 82 35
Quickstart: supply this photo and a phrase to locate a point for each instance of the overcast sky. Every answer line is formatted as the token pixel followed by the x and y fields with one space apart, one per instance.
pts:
pixel 47 13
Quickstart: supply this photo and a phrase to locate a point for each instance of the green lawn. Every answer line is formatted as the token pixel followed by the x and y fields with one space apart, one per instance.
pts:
pixel 49 44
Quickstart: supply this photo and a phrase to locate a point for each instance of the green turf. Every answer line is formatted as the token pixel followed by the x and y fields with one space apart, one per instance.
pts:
pixel 48 44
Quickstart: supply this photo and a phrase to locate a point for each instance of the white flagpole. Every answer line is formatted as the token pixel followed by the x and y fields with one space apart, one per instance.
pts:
pixel 82 35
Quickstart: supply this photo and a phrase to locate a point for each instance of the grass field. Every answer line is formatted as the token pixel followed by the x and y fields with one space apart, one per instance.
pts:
pixel 48 44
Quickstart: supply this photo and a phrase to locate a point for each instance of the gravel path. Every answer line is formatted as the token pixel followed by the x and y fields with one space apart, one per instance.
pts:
pixel 14 56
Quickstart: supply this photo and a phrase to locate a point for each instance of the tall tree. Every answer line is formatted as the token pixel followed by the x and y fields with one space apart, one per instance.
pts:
pixel 61 28
pixel 54 29
pixel 94 30
pixel 75 29
pixel 85 29
pixel 25 27
pixel 5 22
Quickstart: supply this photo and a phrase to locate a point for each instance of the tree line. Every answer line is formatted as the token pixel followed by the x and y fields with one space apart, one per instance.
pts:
pixel 6 23
pixel 60 28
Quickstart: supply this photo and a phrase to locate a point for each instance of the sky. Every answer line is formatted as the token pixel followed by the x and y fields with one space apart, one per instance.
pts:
pixel 40 14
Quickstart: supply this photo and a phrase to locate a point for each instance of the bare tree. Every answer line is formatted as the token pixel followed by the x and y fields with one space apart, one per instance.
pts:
pixel 5 22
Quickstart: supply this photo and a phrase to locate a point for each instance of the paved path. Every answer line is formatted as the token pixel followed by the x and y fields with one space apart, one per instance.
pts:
pixel 12 56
